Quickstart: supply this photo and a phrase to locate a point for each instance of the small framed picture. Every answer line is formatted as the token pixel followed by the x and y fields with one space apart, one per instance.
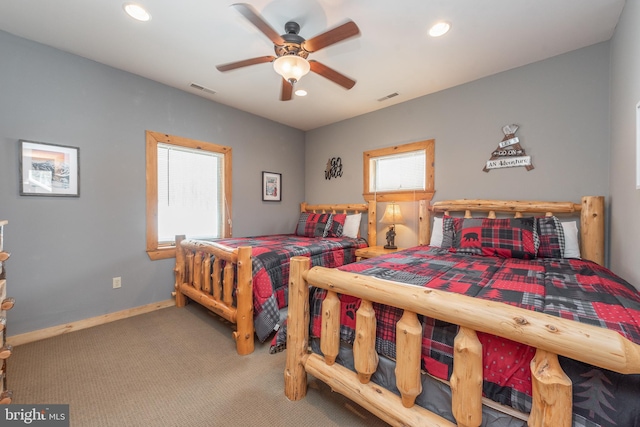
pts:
pixel 271 187
pixel 49 169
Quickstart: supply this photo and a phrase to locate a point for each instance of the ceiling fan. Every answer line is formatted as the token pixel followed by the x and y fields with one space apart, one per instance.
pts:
pixel 292 51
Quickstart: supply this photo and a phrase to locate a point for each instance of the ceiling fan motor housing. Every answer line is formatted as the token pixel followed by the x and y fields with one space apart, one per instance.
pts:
pixel 293 42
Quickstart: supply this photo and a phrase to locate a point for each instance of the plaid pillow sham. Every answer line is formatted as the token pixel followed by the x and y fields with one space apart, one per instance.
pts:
pixel 552 240
pixel 312 224
pixel 335 226
pixel 448 231
pixel 505 238
pixel 549 236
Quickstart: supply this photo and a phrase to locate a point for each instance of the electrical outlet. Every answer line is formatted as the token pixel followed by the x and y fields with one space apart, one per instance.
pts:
pixel 117 282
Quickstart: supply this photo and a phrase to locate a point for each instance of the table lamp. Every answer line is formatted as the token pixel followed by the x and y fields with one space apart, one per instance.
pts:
pixel 392 216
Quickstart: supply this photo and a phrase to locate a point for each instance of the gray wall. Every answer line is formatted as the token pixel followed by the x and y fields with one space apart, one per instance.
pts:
pixel 65 251
pixel 561 105
pixel 625 94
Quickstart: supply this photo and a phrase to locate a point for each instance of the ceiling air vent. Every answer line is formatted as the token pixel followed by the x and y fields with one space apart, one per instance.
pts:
pixel 391 95
pixel 202 88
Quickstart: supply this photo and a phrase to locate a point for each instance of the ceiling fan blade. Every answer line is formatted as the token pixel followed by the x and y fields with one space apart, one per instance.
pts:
pixel 254 17
pixel 331 74
pixel 287 91
pixel 335 35
pixel 245 63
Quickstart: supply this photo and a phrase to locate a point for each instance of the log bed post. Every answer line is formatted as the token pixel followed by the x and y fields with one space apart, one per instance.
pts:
pixel 295 376
pixel 424 223
pixel 365 357
pixel 551 389
pixel 197 270
pixel 592 229
pixel 244 334
pixel 180 272
pixel 408 357
pixel 372 223
pixel 466 379
pixel 330 340
pixel 217 281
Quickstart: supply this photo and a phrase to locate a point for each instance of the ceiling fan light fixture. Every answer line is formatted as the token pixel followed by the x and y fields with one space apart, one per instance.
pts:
pixel 291 67
pixel 439 29
pixel 136 12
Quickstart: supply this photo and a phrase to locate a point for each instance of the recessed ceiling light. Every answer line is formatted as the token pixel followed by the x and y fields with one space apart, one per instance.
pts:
pixel 301 92
pixel 136 12
pixel 439 29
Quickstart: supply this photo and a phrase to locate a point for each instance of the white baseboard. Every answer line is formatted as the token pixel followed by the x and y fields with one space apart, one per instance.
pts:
pixel 86 323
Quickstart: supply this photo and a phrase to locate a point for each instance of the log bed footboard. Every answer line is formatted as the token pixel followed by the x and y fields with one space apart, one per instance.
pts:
pixel 215 291
pixel 551 336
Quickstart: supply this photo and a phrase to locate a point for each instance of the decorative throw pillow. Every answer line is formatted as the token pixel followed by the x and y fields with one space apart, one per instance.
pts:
pixel 312 224
pixel 436 232
pixel 352 225
pixel 335 226
pixel 448 231
pixel 505 238
pixel 551 234
pixel 572 244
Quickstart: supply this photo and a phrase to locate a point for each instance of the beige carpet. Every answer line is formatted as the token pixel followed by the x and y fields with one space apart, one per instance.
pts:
pixel 171 367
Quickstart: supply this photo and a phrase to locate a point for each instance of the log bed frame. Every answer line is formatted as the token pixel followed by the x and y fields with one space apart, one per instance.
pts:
pixel 551 336
pixel 204 281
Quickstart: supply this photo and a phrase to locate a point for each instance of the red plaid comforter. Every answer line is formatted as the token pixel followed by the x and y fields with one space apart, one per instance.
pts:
pixel 271 255
pixel 570 288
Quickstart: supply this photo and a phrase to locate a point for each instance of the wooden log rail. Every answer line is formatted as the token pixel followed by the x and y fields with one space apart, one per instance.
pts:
pixel 210 282
pixel 551 336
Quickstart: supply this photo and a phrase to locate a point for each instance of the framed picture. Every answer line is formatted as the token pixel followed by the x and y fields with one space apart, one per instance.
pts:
pixel 271 187
pixel 49 169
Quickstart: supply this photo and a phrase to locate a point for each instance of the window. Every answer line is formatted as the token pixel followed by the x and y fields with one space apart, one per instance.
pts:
pixel 188 191
pixel 400 173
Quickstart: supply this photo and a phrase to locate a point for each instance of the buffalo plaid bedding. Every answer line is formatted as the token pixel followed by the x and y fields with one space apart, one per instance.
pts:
pixel 570 288
pixel 271 255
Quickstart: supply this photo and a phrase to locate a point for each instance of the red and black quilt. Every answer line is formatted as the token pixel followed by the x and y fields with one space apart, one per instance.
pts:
pixel 271 259
pixel 569 288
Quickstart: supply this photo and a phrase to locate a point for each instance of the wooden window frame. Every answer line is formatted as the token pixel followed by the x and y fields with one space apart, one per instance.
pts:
pixel 405 195
pixel 156 250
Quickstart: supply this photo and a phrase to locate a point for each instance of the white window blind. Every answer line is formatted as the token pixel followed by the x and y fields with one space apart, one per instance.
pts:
pixel 190 196
pixel 404 171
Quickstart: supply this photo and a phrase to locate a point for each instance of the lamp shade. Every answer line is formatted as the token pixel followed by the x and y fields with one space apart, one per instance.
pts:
pixel 392 215
pixel 291 67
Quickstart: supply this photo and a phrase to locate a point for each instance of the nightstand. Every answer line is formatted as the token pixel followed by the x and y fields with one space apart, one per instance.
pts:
pixel 373 251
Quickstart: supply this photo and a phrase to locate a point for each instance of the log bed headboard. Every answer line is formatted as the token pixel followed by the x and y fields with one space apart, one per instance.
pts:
pixel 591 211
pixel 369 207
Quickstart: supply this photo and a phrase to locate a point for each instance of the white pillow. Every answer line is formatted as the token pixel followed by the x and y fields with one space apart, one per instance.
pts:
pixel 436 232
pixel 351 226
pixel 571 245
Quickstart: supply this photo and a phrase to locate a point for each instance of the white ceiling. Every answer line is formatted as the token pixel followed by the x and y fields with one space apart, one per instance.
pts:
pixel 186 39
